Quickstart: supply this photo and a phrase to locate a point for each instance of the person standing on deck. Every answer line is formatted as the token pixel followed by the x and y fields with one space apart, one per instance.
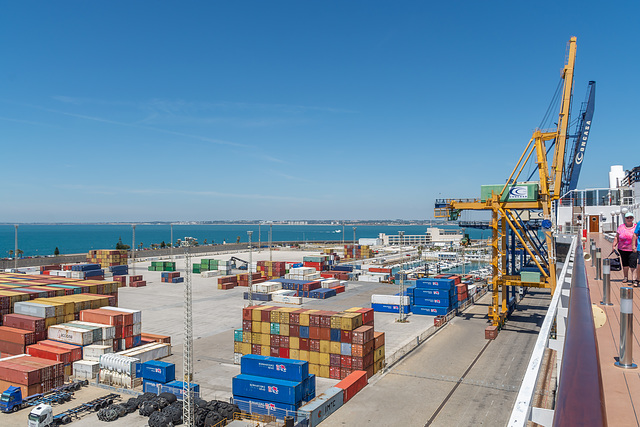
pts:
pixel 636 282
pixel 626 243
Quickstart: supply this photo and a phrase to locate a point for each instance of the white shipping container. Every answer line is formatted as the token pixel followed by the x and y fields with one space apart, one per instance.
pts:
pixel 237 357
pixel 34 309
pixel 108 331
pixel 94 351
pixel 137 314
pixel 368 278
pixel 206 274
pixel 118 379
pixel 137 329
pixel 108 343
pixel 119 363
pixel 285 292
pixel 86 369
pixel 330 283
pixel 389 299
pixel 266 287
pixel 70 335
pixel 147 352
pixel 286 299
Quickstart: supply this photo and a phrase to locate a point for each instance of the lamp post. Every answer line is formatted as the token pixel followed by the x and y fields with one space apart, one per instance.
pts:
pixel 133 249
pixel 15 252
pixel 401 233
pixel 249 269
pixel 354 243
pixel 270 237
pixel 171 241
pixel 259 235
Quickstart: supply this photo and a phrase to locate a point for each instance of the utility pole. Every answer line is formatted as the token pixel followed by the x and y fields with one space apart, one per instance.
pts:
pixel 270 237
pixel 133 250
pixel 249 269
pixel 15 252
pixel 259 236
pixel 171 241
pixel 401 278
pixel 187 357
pixel 354 243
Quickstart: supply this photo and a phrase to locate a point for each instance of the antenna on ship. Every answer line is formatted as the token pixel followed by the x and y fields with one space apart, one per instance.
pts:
pixel 187 357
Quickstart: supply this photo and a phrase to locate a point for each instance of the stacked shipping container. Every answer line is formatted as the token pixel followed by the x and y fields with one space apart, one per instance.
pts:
pixel 32 374
pixel 357 252
pixel 162 266
pixel 107 257
pixel 333 343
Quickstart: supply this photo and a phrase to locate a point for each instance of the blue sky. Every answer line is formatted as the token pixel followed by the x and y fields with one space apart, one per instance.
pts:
pixel 133 111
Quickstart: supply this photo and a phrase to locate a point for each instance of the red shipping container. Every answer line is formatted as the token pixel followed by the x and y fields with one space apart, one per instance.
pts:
pixel 265 314
pixel 128 342
pixel 275 351
pixel 362 335
pixel 334 360
pixel 344 373
pixel 256 349
pixel 15 335
pixel 334 372
pixel 247 312
pixel 345 362
pixel 357 350
pixel 314 345
pixel 284 352
pixel 275 341
pixel 29 390
pixel 314 332
pixel 157 338
pixel 369 372
pixel 352 384
pixel 19 374
pixel 246 325
pixel 325 334
pixel 304 344
pixel 378 338
pixel 294 330
pixel 11 348
pixel 339 289
pixel 325 318
pixel 76 350
pixel 314 321
pixel 106 317
pixel 50 353
pixel 284 341
pixel 346 336
pixel 367 314
pixel 21 321
pixel 294 317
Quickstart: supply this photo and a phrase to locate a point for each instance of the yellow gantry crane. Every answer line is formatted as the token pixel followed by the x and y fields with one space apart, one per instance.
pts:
pixel 508 202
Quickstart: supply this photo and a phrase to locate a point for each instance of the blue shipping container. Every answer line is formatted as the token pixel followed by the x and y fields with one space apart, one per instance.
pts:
pixel 335 334
pixel 157 371
pixel 263 407
pixel 309 388
pixel 176 388
pixel 93 273
pixel 304 332
pixel 345 349
pixel 258 296
pixel 151 387
pixel 432 283
pixel 267 389
pixel 440 302
pixel 177 280
pixel 137 340
pixel 274 367
pixel 389 308
pixel 429 310
pixel 431 293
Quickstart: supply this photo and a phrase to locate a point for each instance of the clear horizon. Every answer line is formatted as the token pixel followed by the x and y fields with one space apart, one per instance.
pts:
pixel 120 112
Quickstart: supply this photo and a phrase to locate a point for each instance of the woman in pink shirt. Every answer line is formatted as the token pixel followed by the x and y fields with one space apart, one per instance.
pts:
pixel 626 242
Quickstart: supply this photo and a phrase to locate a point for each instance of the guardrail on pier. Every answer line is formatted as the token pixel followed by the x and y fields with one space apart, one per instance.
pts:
pixel 579 399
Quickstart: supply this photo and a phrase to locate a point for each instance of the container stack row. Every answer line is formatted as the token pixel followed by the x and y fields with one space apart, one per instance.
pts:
pixel 357 252
pixel 272 385
pixel 32 374
pixel 108 257
pixel 334 343
pixel 272 269
pixel 162 266
pixel 171 277
pixel 212 265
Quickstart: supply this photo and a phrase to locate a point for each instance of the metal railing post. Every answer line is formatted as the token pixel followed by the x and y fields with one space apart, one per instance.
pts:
pixel 626 329
pixel 598 264
pixel 593 253
pixel 606 282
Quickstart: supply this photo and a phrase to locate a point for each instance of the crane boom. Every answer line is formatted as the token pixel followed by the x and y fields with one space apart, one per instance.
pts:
pixel 576 157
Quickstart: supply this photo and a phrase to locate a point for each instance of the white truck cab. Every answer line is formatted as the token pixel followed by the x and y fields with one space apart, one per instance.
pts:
pixel 41 416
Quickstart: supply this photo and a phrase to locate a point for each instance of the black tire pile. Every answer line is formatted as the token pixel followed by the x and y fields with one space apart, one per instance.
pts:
pixel 114 411
pixel 165 410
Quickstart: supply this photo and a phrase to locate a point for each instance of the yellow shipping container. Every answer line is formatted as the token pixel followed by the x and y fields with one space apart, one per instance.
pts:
pixel 265 351
pixel 378 354
pixel 237 347
pixel 284 329
pixel 265 340
pixel 324 371
pixel 304 355
pixel 256 337
pixel 246 348
pixel 351 321
pixel 325 346
pixel 324 359
pixel 294 354
pixel 334 347
pixel 69 306
pixel 336 321
pixel 294 343
pixel 69 317
pixel 275 316
pixel 314 369
pixel 304 317
pixel 58 307
pixel 265 327
pixel 377 366
pixel 256 327
pixel 247 337
pixel 314 357
pixel 50 321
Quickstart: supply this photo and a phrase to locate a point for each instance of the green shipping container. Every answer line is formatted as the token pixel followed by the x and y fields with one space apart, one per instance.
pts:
pixel 237 335
pixel 275 329
pixel 520 192
pixel 196 268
